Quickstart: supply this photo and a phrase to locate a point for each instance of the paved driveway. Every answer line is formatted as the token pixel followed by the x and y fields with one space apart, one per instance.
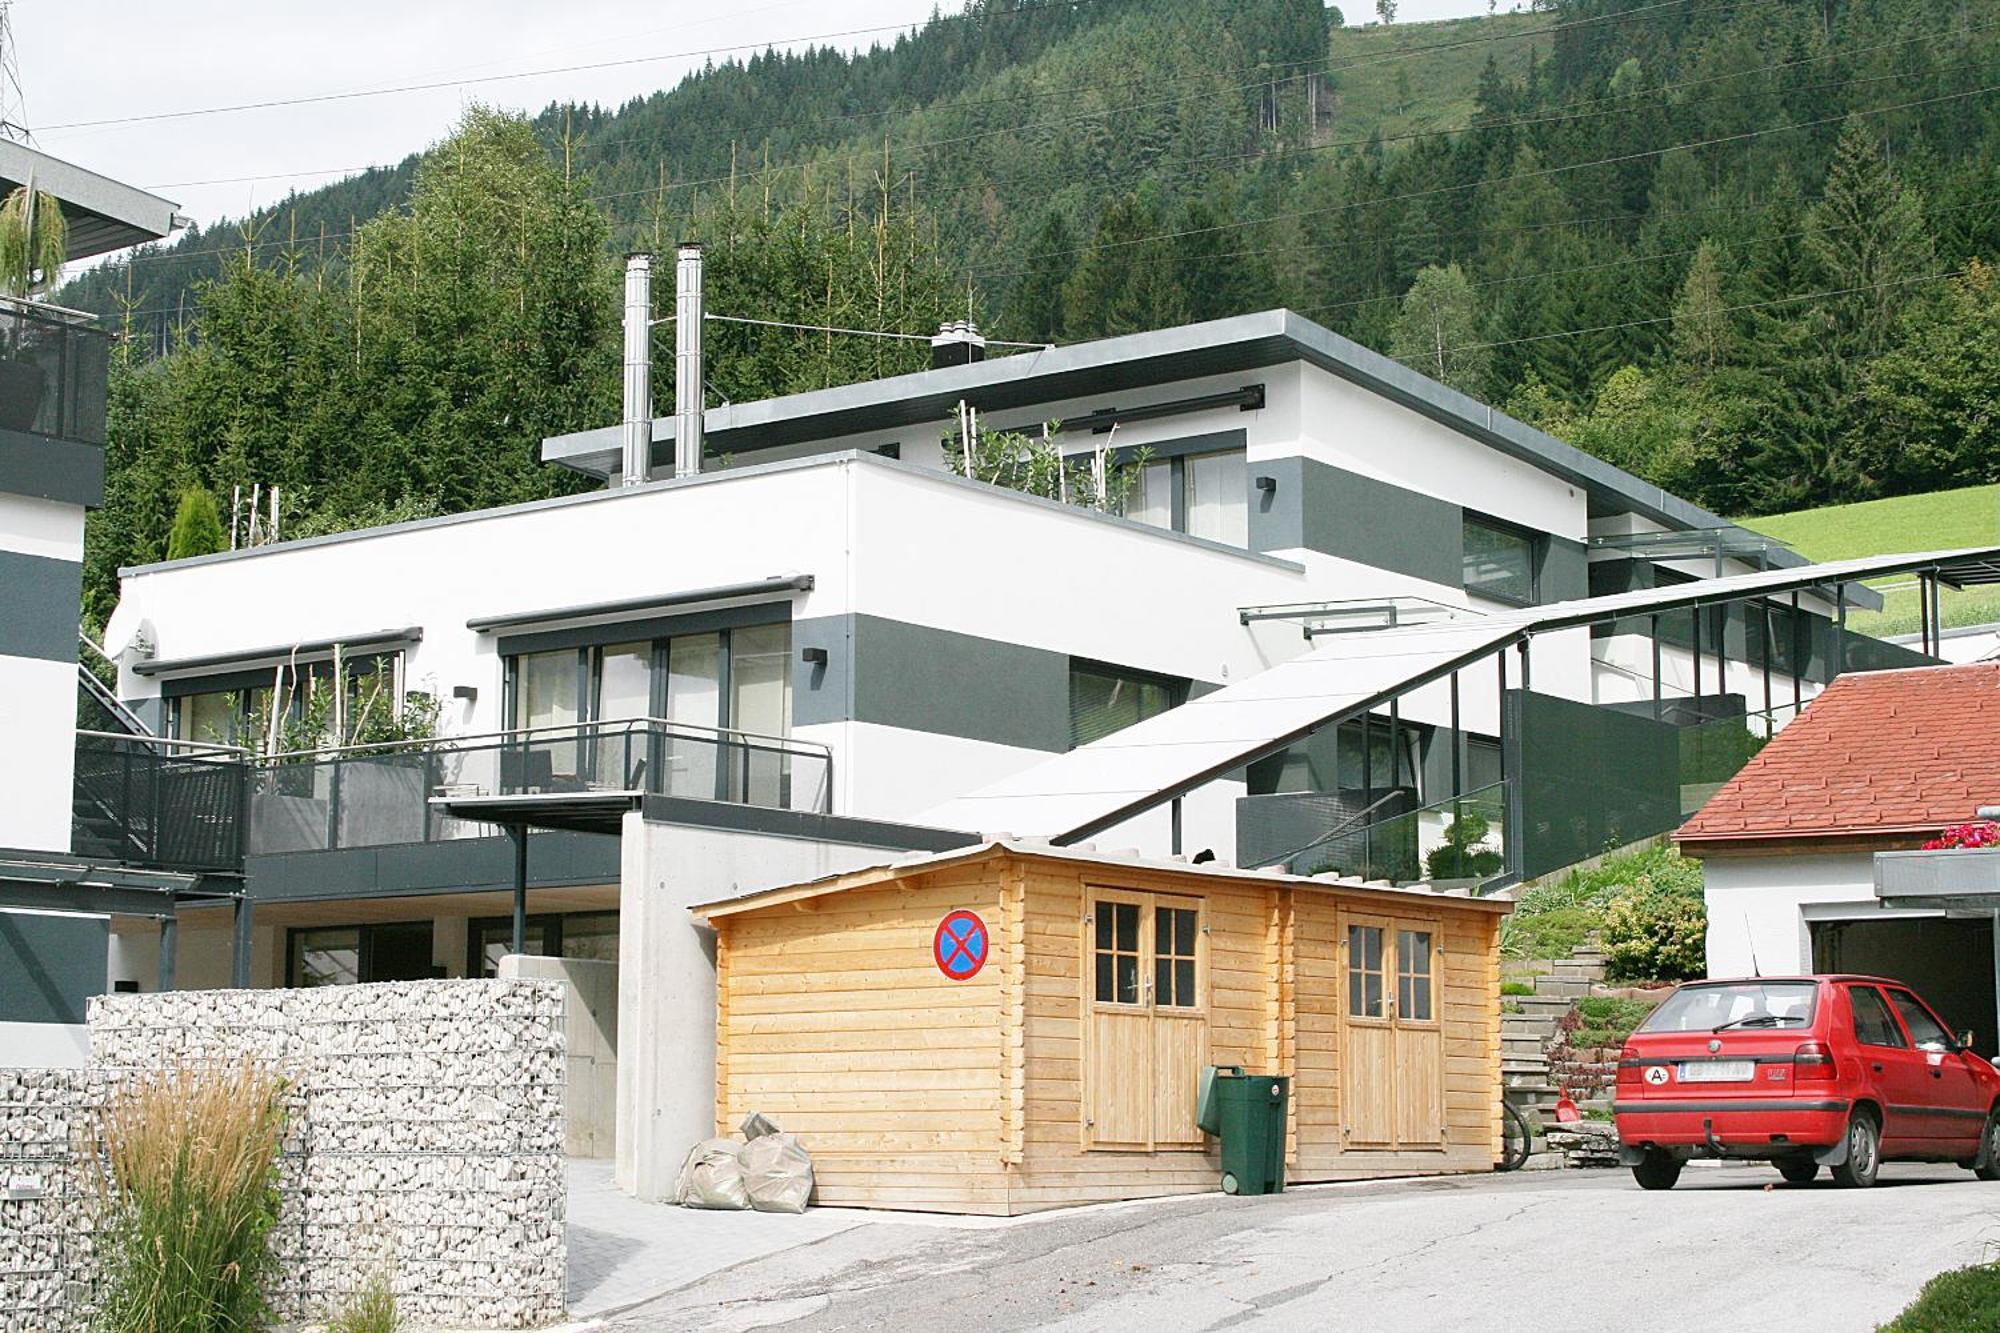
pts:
pixel 1731 1248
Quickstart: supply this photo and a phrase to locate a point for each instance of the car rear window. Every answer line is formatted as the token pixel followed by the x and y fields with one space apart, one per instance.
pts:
pixel 1735 1004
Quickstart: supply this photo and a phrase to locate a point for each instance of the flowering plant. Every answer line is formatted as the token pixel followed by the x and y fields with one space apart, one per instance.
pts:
pixel 1983 833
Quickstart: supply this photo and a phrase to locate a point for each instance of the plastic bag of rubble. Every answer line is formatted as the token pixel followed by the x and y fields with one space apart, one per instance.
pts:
pixel 777 1173
pixel 712 1176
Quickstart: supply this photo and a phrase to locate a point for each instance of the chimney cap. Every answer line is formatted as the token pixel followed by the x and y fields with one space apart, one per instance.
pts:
pixel 958 331
pixel 684 247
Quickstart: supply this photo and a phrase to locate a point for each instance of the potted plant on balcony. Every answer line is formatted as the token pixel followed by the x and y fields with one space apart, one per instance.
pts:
pixel 34 241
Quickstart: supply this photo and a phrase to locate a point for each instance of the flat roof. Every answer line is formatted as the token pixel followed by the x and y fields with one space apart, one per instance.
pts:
pixel 1108 367
pixel 103 214
pixel 920 862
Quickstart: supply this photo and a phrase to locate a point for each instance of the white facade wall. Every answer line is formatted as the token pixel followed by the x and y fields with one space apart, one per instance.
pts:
pixel 1758 907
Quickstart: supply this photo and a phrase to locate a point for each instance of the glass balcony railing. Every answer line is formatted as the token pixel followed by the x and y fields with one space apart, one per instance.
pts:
pixel 379 795
pixel 54 372
pixel 1461 838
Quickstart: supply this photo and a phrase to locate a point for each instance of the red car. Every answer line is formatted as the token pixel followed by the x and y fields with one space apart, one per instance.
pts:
pixel 1836 1071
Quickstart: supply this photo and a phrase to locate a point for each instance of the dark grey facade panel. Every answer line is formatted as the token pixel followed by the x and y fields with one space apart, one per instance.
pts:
pixel 1340 513
pixel 46 468
pixel 1564 572
pixel 351 646
pixel 39 608
pixel 896 674
pixel 50 966
pixel 457 865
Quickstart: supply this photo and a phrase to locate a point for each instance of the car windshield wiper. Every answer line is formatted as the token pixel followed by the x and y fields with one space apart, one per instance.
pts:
pixel 1758 1020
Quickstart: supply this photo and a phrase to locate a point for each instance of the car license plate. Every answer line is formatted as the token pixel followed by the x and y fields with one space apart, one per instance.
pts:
pixel 1719 1071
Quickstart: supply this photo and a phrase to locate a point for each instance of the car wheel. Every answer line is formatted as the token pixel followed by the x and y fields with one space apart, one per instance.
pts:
pixel 1864 1153
pixel 1658 1171
pixel 1799 1172
pixel 1987 1165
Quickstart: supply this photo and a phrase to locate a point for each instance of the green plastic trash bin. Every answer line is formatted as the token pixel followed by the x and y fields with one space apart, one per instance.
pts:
pixel 1250 1109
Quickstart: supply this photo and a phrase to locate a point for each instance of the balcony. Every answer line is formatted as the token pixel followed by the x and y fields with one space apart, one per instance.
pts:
pixel 54 372
pixel 150 801
pixel 381 795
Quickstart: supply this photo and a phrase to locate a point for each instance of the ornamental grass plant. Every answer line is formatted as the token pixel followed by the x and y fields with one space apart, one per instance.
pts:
pixel 189 1194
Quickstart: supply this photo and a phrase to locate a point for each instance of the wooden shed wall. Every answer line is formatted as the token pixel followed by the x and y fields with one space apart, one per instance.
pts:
pixel 833 1021
pixel 915 1091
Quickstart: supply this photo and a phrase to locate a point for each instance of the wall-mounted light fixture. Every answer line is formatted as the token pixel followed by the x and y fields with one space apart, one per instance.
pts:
pixel 814 656
pixel 468 693
pixel 1268 485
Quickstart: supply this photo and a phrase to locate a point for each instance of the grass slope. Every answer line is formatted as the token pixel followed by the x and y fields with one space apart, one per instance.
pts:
pixel 1381 87
pixel 1938 521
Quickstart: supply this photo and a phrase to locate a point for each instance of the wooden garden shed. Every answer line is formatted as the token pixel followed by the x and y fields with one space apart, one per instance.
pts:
pixel 1012 1026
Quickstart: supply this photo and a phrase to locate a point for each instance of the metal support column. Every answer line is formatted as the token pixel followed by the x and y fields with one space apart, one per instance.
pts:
pixel 1526 675
pixel 1175 810
pixel 1654 619
pixel 1395 752
pixel 1839 631
pixel 1799 661
pixel 1500 726
pixel 169 939
pixel 519 832
pixel 239 962
pixel 1722 649
pixel 1694 622
pixel 1764 656
pixel 1457 744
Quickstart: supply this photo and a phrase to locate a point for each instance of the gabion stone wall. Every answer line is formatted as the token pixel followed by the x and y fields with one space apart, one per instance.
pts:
pixel 424 1144
pixel 45 1197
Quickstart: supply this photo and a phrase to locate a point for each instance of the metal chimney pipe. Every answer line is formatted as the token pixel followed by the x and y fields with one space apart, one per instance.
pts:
pixel 687 361
pixel 637 452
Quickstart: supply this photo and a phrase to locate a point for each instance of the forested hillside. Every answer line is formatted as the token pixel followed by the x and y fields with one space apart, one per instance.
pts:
pixel 1737 246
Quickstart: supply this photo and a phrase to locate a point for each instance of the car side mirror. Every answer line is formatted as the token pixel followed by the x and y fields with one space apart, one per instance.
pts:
pixel 1965 1040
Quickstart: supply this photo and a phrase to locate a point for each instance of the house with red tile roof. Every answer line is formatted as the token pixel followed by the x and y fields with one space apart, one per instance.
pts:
pixel 1880 762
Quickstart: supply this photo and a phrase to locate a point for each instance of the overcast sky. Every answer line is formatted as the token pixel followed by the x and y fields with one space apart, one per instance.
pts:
pixel 84 60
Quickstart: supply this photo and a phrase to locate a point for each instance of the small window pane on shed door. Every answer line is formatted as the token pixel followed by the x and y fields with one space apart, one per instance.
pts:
pixel 1413 975
pixel 1117 952
pixel 1173 957
pixel 1364 971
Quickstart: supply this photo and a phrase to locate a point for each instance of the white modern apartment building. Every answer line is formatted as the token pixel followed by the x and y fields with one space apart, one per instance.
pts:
pixel 825 621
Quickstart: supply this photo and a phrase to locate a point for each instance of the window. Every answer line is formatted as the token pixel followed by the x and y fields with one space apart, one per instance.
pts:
pixel 736 679
pixel 587 935
pixel 1703 1008
pixel 1364 971
pixel 1117 952
pixel 1200 494
pixel 1499 562
pixel 1925 1031
pixel 1105 699
pixel 240 712
pixel 345 955
pixel 1173 957
pixel 1413 975
pixel 1872 1024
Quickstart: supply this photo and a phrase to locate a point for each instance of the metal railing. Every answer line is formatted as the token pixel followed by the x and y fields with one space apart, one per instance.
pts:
pixel 379 794
pixel 153 801
pixel 54 372
pixel 1460 838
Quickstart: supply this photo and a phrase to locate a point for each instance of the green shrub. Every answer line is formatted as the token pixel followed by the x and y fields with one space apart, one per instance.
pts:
pixel 1465 853
pixel 370 1310
pixel 1964 1300
pixel 1607 1020
pixel 1517 988
pixel 1656 934
pixel 189 1195
pixel 1556 933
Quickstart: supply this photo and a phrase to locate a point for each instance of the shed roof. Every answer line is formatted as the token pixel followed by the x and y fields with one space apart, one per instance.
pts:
pixel 921 862
pixel 1881 752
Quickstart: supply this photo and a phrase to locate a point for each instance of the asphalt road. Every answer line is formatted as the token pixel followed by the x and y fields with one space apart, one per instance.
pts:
pixel 1730 1248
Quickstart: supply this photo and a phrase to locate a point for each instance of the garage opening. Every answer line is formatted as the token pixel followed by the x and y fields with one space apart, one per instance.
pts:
pixel 1947 960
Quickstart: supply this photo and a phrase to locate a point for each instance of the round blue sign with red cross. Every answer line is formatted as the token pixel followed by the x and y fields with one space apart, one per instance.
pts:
pixel 961 945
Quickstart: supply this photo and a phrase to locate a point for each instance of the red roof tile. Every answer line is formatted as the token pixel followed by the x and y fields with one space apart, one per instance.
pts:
pixel 1877 752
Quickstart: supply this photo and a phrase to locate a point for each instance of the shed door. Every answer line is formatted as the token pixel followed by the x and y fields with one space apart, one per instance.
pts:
pixel 1393 1053
pixel 1146 1020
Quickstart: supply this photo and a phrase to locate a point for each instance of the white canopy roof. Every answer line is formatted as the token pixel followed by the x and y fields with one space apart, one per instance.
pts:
pixel 1096 786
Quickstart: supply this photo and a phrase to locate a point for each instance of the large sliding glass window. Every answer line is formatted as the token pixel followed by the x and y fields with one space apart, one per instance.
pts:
pixel 1201 494
pixel 345 955
pixel 733 679
pixel 239 712
pixel 587 935
pixel 1105 699
pixel 1499 562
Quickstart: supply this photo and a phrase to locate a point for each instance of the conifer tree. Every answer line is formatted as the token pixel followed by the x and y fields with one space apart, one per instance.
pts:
pixel 1702 335
pixel 197 526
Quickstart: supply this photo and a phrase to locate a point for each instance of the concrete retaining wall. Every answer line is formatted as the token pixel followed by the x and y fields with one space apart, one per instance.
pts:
pixel 425 1144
